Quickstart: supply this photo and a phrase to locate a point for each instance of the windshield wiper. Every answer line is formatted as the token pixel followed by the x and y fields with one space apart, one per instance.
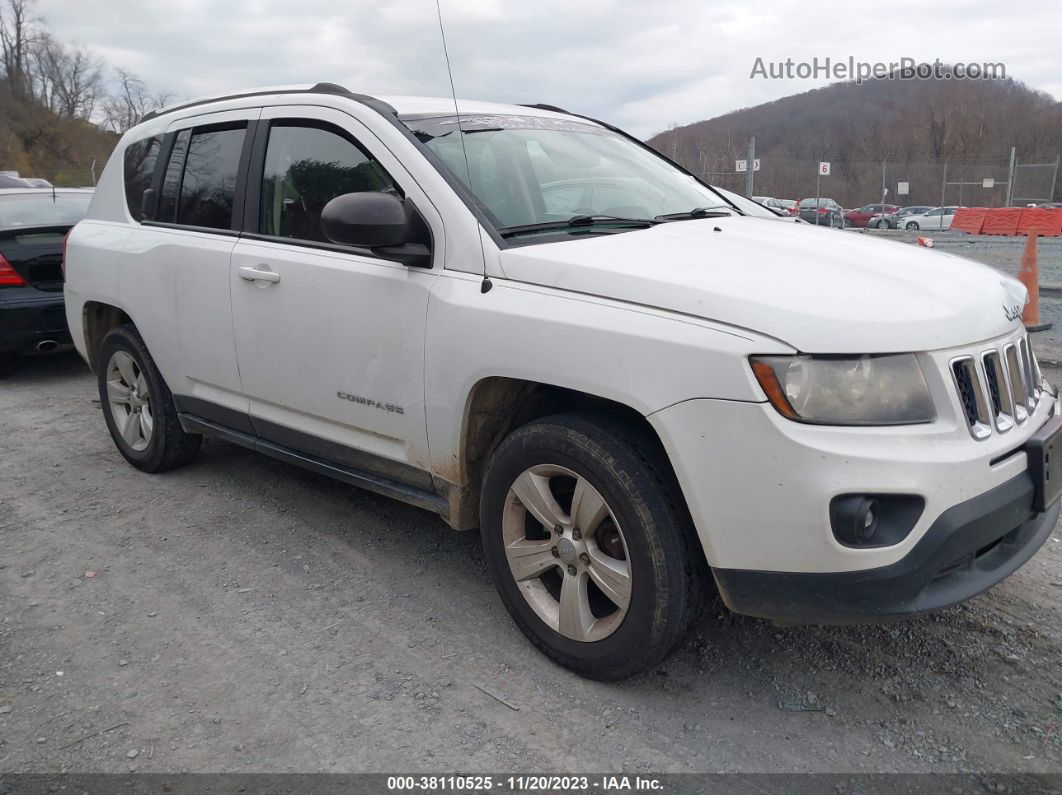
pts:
pixel 579 221
pixel 712 211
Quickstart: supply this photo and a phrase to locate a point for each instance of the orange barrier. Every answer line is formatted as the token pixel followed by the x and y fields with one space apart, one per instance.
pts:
pixel 1001 221
pixel 1029 275
pixel 1047 222
pixel 969 219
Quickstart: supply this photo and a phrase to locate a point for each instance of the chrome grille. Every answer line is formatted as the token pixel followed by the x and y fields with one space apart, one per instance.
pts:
pixel 998 387
pixel 994 373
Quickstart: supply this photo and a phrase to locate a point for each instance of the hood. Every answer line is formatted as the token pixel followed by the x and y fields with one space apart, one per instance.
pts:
pixel 819 290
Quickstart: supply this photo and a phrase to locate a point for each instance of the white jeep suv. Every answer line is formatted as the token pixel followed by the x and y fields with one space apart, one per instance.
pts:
pixel 527 321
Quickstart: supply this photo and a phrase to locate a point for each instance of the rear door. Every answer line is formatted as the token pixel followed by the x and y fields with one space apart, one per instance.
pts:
pixel 330 339
pixel 194 229
pixel 931 220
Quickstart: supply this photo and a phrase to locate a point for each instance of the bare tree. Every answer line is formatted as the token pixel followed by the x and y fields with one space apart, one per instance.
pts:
pixel 68 80
pixel 16 37
pixel 130 102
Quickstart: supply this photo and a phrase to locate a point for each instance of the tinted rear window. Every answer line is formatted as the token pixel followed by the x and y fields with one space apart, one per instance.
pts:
pixel 41 208
pixel 140 159
pixel 208 186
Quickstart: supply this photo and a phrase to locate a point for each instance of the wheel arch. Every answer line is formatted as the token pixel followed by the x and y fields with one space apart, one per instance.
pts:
pixel 97 319
pixel 497 405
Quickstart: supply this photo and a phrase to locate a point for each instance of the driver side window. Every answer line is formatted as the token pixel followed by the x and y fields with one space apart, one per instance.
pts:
pixel 307 166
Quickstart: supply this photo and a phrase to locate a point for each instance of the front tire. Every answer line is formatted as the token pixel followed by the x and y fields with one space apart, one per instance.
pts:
pixel 912 226
pixel 590 544
pixel 138 406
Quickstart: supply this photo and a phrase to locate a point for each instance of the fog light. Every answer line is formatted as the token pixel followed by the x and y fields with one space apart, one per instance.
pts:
pixel 866 521
pixel 855 519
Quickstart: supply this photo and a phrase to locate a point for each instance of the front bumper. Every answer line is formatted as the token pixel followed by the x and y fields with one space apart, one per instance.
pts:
pixel 968 549
pixel 760 488
pixel 29 317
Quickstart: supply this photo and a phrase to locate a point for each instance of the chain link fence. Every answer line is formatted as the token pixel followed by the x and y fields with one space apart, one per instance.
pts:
pixel 855 181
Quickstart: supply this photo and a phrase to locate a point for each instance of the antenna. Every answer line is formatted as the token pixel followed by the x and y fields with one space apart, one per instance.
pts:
pixel 486 284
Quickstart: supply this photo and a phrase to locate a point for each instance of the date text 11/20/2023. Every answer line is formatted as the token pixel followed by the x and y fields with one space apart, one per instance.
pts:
pixel 526 783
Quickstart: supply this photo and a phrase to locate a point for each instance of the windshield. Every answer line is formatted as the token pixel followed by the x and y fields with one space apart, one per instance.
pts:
pixel 42 208
pixel 544 171
pixel 747 206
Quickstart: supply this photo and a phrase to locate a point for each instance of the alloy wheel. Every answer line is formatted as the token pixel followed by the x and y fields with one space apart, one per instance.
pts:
pixel 567 553
pixel 130 400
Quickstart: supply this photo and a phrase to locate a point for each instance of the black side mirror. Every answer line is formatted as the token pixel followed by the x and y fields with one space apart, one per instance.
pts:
pixel 391 227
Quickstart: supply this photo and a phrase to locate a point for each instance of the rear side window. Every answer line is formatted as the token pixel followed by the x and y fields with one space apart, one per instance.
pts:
pixel 140 159
pixel 208 184
pixel 305 168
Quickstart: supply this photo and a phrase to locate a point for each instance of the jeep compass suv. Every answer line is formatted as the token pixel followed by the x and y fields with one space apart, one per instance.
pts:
pixel 528 322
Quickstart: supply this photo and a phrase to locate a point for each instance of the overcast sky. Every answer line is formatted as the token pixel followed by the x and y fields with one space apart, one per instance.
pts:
pixel 642 65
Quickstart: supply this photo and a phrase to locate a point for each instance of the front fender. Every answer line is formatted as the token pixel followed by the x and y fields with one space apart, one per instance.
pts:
pixel 641 357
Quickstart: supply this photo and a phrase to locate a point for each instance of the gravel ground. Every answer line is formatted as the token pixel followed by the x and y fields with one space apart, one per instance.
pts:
pixel 244 615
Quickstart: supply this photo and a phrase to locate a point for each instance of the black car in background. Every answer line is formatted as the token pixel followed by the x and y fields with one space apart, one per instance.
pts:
pixel 33 224
pixel 822 212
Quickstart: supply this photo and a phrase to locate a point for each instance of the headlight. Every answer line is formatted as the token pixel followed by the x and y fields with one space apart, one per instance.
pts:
pixel 846 390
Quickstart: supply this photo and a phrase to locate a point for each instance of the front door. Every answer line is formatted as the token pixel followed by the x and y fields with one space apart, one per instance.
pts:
pixel 329 339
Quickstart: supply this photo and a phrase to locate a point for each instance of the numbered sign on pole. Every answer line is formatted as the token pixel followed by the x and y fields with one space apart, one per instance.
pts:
pixel 824 169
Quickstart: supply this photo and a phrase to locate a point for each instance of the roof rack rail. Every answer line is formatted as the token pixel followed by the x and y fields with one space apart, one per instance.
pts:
pixel 544 106
pixel 317 88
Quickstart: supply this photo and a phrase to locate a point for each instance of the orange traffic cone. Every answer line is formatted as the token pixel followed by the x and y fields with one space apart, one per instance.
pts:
pixel 1029 275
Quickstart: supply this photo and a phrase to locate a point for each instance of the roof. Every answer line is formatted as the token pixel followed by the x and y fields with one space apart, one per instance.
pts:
pixel 444 106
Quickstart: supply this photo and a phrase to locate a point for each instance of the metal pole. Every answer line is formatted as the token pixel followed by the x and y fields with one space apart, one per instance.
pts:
pixel 818 193
pixel 944 185
pixel 884 189
pixel 1054 181
pixel 750 166
pixel 1010 176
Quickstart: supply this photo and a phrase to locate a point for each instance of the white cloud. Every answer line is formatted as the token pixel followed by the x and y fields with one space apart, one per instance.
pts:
pixel 640 64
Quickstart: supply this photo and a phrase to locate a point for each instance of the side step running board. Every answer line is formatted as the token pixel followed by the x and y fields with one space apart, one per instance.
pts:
pixel 365 480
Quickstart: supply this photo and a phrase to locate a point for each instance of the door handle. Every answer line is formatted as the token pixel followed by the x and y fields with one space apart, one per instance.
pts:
pixel 258 274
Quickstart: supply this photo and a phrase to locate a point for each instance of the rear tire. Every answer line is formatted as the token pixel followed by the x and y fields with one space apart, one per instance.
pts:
pixel 138 406
pixel 631 534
